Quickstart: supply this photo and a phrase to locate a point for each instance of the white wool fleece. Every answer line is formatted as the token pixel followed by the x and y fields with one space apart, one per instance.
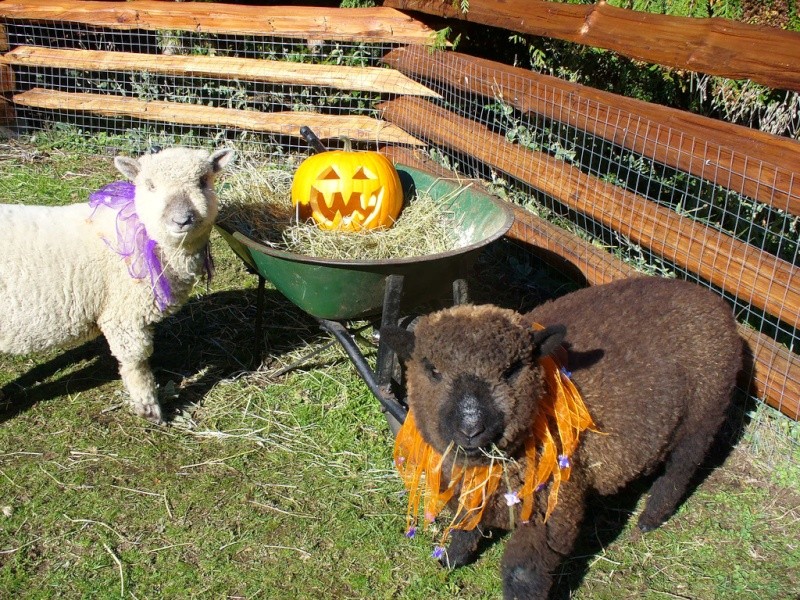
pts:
pixel 63 283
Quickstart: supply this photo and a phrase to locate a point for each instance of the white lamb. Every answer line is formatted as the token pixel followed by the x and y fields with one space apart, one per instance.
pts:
pixel 115 266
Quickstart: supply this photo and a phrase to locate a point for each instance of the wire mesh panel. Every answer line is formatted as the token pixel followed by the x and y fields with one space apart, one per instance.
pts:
pixel 186 85
pixel 674 196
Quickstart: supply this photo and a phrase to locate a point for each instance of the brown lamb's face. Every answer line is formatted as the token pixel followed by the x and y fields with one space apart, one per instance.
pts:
pixel 473 378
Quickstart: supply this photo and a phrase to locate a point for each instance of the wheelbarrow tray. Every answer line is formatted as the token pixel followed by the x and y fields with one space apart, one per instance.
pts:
pixel 354 289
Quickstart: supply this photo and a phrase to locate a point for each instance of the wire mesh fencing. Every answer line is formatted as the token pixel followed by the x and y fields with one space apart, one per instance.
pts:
pixel 671 195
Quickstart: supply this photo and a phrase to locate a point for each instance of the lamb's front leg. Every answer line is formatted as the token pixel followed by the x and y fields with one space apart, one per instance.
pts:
pixel 528 563
pixel 462 549
pixel 141 385
pixel 536 549
pixel 132 348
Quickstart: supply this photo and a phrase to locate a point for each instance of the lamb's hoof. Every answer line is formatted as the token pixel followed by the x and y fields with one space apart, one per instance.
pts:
pixel 647 524
pixel 450 562
pixel 454 560
pixel 462 550
pixel 520 583
pixel 151 412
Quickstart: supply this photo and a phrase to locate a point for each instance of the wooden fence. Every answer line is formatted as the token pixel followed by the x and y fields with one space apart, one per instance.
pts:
pixel 307 23
pixel 439 100
pixel 715 46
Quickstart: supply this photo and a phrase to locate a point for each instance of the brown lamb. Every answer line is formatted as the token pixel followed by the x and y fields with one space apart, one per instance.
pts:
pixel 656 362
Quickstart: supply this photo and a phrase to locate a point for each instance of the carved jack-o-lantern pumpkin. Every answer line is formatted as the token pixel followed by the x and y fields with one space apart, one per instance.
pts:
pixel 348 190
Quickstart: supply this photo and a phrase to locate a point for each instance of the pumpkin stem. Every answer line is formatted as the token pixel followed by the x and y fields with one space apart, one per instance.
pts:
pixel 348 144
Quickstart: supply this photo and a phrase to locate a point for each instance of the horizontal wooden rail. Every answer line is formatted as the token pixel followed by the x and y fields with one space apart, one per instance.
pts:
pixel 357 128
pixel 368 79
pixel 715 46
pixel 379 24
pixel 776 372
pixel 760 279
pixel 756 164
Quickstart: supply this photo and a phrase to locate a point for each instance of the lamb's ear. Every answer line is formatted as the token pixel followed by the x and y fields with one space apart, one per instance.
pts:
pixel 548 339
pixel 220 159
pixel 127 166
pixel 398 339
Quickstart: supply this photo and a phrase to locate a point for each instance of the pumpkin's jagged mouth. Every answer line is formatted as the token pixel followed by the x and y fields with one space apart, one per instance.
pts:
pixel 336 202
pixel 345 206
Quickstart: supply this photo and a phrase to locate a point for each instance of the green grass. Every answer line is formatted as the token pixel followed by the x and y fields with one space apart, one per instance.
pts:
pixel 282 487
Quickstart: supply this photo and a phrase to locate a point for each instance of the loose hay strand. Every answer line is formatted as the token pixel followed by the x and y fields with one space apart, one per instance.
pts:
pixel 119 568
pixel 256 201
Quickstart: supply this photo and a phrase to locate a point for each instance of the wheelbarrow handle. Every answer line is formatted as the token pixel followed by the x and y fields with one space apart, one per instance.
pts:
pixel 311 138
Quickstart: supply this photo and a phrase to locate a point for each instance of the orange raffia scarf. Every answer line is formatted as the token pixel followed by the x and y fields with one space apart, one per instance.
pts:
pixel 561 419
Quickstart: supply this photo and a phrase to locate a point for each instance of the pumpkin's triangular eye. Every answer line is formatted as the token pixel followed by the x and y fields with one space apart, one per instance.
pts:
pixel 329 173
pixel 363 173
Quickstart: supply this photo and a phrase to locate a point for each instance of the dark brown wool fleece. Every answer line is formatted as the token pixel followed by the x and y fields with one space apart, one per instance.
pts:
pixel 655 360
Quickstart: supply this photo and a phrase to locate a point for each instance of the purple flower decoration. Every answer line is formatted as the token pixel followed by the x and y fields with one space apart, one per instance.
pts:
pixel 412 531
pixel 566 373
pixel 563 461
pixel 540 487
pixel 133 244
pixel 511 498
pixel 438 552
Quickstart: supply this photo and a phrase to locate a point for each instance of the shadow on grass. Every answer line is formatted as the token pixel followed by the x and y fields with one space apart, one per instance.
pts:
pixel 47 380
pixel 520 276
pixel 211 338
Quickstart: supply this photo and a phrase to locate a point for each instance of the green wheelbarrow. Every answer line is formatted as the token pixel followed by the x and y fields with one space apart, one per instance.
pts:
pixel 336 291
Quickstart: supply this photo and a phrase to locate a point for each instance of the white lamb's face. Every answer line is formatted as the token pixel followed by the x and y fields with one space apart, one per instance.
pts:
pixel 175 197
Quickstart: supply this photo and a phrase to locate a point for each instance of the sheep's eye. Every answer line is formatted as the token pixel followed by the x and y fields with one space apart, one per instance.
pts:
pixel 151 187
pixel 513 371
pixel 432 372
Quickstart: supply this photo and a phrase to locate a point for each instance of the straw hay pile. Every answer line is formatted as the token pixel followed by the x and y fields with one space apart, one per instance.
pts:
pixel 256 200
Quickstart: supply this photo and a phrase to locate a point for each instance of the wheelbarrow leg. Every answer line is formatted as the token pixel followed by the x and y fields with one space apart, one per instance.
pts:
pixel 259 320
pixel 460 291
pixel 389 404
pixel 386 358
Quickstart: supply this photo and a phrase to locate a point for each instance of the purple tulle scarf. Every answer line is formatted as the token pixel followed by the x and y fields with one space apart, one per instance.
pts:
pixel 133 244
